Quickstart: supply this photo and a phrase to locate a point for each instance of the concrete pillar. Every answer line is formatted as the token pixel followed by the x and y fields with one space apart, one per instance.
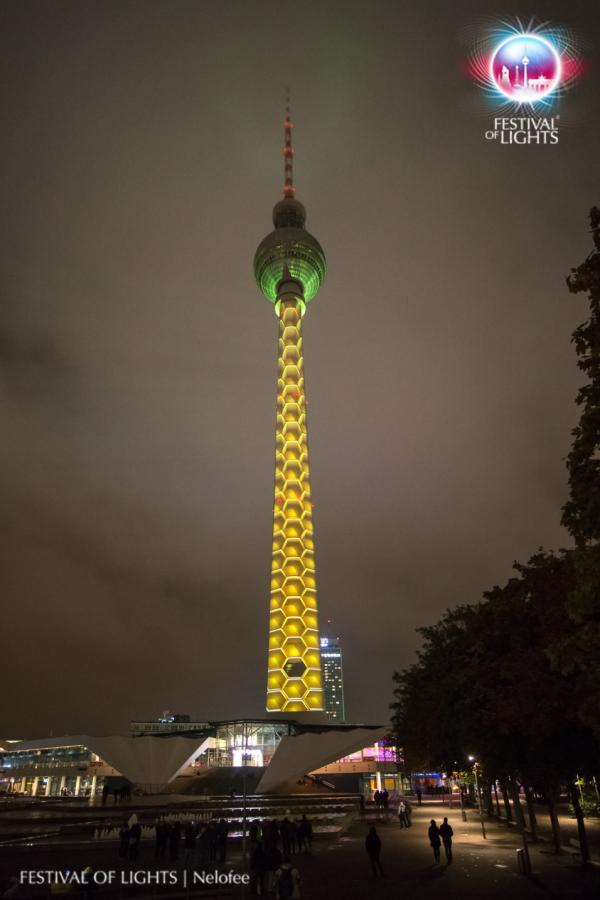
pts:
pixel 34 787
pixel 48 785
pixel 93 787
pixel 77 785
pixel 378 777
pixel 61 786
pixel 23 783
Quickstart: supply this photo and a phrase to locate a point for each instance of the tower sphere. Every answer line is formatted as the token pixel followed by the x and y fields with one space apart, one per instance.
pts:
pixel 289 253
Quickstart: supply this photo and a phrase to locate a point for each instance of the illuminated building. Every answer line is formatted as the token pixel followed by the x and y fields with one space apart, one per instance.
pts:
pixel 333 678
pixel 279 752
pixel 289 267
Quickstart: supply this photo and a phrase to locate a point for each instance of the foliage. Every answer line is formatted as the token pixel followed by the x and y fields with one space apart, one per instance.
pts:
pixel 581 513
pixel 484 684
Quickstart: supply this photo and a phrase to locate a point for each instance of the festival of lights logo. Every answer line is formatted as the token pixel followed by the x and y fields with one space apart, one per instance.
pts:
pixel 520 66
pixel 524 71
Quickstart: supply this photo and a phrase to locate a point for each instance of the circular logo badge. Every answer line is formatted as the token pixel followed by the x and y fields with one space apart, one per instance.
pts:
pixel 525 68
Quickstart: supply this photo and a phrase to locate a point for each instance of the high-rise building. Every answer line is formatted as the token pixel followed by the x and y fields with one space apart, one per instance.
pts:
pixel 333 678
pixel 289 267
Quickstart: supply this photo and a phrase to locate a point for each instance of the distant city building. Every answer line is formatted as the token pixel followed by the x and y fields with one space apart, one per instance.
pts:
pixel 333 678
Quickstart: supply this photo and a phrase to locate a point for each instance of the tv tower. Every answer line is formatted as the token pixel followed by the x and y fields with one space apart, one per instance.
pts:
pixel 289 267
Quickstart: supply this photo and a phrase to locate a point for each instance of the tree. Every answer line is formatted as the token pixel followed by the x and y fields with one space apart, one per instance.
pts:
pixel 581 513
pixel 579 651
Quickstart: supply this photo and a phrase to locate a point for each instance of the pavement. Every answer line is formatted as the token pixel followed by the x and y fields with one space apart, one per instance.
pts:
pixel 339 869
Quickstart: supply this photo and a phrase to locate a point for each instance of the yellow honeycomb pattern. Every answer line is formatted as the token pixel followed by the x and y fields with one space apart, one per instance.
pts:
pixel 294 680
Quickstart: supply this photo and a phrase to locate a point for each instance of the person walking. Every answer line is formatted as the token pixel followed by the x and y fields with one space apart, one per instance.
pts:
pixel 124 835
pixel 305 834
pixel 434 840
pixel 222 833
pixel 189 840
pixel 273 861
pixel 419 794
pixel 286 837
pixel 174 840
pixel 402 814
pixel 135 836
pixel 287 881
pixel 203 845
pixel 373 848
pixel 446 836
pixel 258 869
pixel 162 833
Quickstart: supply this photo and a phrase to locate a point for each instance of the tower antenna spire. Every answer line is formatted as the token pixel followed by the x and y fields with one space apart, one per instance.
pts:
pixel 288 151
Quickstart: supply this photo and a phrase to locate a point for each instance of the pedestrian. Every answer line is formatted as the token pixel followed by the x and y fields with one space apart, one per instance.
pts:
pixel 204 845
pixel 124 840
pixel 408 805
pixel 222 832
pixel 373 848
pixel 213 840
pixel 377 799
pixel 161 832
pixel 189 840
pixel 135 835
pixel 402 814
pixel 293 837
pixel 273 861
pixel 305 834
pixel 287 881
pixel 286 837
pixel 174 840
pixel 446 836
pixel 258 870
pixel 385 800
pixel 419 796
pixel 434 840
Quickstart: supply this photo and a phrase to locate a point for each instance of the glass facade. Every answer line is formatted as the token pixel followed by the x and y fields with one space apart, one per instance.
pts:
pixel 69 771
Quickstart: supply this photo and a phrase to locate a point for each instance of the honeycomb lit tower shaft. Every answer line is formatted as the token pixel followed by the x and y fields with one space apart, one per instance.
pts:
pixel 294 677
pixel 289 267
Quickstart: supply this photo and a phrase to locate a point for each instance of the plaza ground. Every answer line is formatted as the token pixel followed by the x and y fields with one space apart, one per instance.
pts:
pixel 339 868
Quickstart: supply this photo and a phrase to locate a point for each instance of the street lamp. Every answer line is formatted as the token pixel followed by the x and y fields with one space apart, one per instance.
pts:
pixel 476 774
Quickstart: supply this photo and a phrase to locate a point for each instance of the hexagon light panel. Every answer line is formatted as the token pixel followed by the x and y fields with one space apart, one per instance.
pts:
pixel 294 682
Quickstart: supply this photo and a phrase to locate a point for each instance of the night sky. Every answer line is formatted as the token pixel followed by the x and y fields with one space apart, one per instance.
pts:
pixel 140 160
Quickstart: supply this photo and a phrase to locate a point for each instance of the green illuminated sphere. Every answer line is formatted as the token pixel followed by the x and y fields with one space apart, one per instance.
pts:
pixel 289 251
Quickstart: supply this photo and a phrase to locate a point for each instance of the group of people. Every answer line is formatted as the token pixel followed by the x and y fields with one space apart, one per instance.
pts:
pixel 202 842
pixel 438 835
pixel 129 840
pixel 381 800
pixel 272 845
pixel 119 794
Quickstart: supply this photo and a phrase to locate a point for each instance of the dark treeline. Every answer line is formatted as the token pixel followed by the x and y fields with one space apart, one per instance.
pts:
pixel 515 679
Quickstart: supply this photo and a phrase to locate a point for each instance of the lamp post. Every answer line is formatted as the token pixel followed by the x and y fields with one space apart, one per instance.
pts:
pixel 476 774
